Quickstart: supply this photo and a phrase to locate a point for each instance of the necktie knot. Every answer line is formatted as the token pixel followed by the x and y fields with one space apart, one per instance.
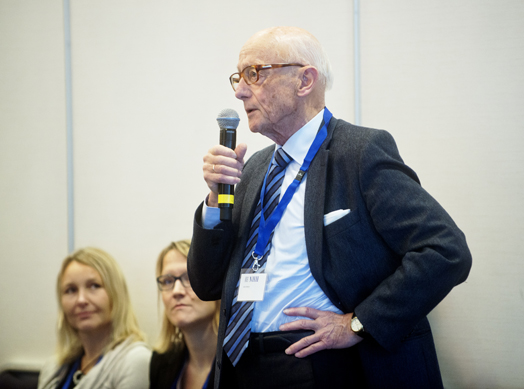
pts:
pixel 282 159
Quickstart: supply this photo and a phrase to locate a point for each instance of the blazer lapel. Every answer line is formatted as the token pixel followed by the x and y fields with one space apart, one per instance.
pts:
pixel 314 208
pixel 255 171
pixel 254 186
pixel 314 211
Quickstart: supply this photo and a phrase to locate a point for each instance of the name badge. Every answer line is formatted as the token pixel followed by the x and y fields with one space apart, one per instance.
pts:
pixel 252 286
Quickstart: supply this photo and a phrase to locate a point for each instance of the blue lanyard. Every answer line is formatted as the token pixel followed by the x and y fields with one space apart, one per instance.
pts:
pixel 74 368
pixel 265 228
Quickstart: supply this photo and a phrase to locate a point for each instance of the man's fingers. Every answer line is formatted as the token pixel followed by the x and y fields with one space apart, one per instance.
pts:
pixel 306 346
pixel 303 311
pixel 240 151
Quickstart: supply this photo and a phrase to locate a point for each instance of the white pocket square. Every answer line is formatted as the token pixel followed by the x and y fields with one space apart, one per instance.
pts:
pixel 334 216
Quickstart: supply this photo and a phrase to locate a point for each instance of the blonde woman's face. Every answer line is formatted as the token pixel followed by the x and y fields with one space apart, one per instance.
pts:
pixel 182 306
pixel 84 299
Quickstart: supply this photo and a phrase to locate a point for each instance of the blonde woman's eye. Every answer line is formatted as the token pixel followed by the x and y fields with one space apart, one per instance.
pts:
pixel 69 290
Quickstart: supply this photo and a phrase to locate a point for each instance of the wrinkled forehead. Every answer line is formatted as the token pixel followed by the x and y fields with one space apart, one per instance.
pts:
pixel 257 52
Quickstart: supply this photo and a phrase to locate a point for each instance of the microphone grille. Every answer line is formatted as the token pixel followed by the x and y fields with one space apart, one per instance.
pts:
pixel 228 118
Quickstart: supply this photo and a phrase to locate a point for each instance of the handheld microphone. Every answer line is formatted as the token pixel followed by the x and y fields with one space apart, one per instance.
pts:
pixel 228 122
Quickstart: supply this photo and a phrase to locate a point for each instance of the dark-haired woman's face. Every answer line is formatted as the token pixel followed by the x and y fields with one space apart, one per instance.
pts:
pixel 84 299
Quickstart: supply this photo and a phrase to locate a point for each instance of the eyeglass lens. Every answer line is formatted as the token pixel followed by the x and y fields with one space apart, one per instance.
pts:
pixel 167 282
pixel 249 74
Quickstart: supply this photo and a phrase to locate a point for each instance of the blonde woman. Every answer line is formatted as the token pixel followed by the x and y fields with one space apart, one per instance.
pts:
pixel 99 342
pixel 185 353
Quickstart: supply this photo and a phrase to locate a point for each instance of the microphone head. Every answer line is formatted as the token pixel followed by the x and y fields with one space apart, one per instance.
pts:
pixel 228 118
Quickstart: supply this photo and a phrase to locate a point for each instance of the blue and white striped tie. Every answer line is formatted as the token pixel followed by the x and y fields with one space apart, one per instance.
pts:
pixel 239 326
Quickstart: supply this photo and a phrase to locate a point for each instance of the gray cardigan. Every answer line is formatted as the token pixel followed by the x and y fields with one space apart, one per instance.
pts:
pixel 124 367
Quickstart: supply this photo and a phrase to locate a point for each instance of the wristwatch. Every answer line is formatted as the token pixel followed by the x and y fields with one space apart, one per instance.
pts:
pixel 357 327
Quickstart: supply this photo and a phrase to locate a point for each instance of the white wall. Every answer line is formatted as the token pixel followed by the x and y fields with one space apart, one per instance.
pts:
pixel 33 212
pixel 445 78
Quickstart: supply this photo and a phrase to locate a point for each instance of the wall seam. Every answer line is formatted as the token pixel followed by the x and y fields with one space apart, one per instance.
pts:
pixel 69 129
pixel 356 59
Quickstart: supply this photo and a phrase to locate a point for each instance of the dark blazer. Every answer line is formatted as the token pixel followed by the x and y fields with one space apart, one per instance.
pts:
pixel 164 368
pixel 391 260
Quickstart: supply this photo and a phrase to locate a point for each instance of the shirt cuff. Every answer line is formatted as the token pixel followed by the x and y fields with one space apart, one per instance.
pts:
pixel 210 216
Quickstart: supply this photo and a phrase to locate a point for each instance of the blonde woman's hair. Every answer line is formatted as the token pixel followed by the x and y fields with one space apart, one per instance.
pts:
pixel 170 335
pixel 124 323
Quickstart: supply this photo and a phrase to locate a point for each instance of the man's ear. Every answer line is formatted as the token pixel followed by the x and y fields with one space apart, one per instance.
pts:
pixel 308 80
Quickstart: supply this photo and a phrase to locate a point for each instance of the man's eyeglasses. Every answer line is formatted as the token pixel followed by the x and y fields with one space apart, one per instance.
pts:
pixel 250 73
pixel 167 282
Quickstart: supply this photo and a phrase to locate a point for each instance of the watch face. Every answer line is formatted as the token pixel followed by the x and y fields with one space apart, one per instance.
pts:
pixel 356 325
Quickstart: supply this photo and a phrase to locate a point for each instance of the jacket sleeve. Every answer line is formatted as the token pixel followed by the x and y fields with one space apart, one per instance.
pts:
pixel 213 251
pixel 208 258
pixel 431 252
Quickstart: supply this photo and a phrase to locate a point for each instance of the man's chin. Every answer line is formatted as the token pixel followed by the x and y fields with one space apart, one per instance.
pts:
pixel 254 127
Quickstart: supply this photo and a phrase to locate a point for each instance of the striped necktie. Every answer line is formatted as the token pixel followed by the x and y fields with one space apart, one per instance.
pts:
pixel 239 326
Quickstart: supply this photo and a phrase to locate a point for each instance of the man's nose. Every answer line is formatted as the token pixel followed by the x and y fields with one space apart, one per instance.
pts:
pixel 243 91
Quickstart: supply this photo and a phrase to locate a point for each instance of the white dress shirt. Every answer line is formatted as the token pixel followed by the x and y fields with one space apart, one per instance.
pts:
pixel 290 282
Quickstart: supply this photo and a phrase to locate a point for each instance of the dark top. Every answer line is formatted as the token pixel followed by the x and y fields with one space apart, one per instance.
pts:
pixel 165 368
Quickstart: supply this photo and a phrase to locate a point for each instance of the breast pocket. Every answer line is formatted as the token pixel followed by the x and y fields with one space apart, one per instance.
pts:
pixel 342 224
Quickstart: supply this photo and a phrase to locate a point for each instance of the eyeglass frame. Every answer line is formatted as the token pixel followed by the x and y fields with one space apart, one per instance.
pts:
pixel 257 70
pixel 174 278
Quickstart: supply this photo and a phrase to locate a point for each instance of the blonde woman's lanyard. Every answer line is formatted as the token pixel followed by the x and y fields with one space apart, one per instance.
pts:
pixel 266 227
pixel 74 369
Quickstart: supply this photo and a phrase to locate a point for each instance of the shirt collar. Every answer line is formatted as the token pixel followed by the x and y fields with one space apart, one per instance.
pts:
pixel 298 145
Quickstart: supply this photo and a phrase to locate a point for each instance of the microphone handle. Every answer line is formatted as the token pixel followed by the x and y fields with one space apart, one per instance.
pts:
pixel 226 193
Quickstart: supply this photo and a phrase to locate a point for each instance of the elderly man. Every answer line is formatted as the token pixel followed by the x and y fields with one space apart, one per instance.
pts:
pixel 334 255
